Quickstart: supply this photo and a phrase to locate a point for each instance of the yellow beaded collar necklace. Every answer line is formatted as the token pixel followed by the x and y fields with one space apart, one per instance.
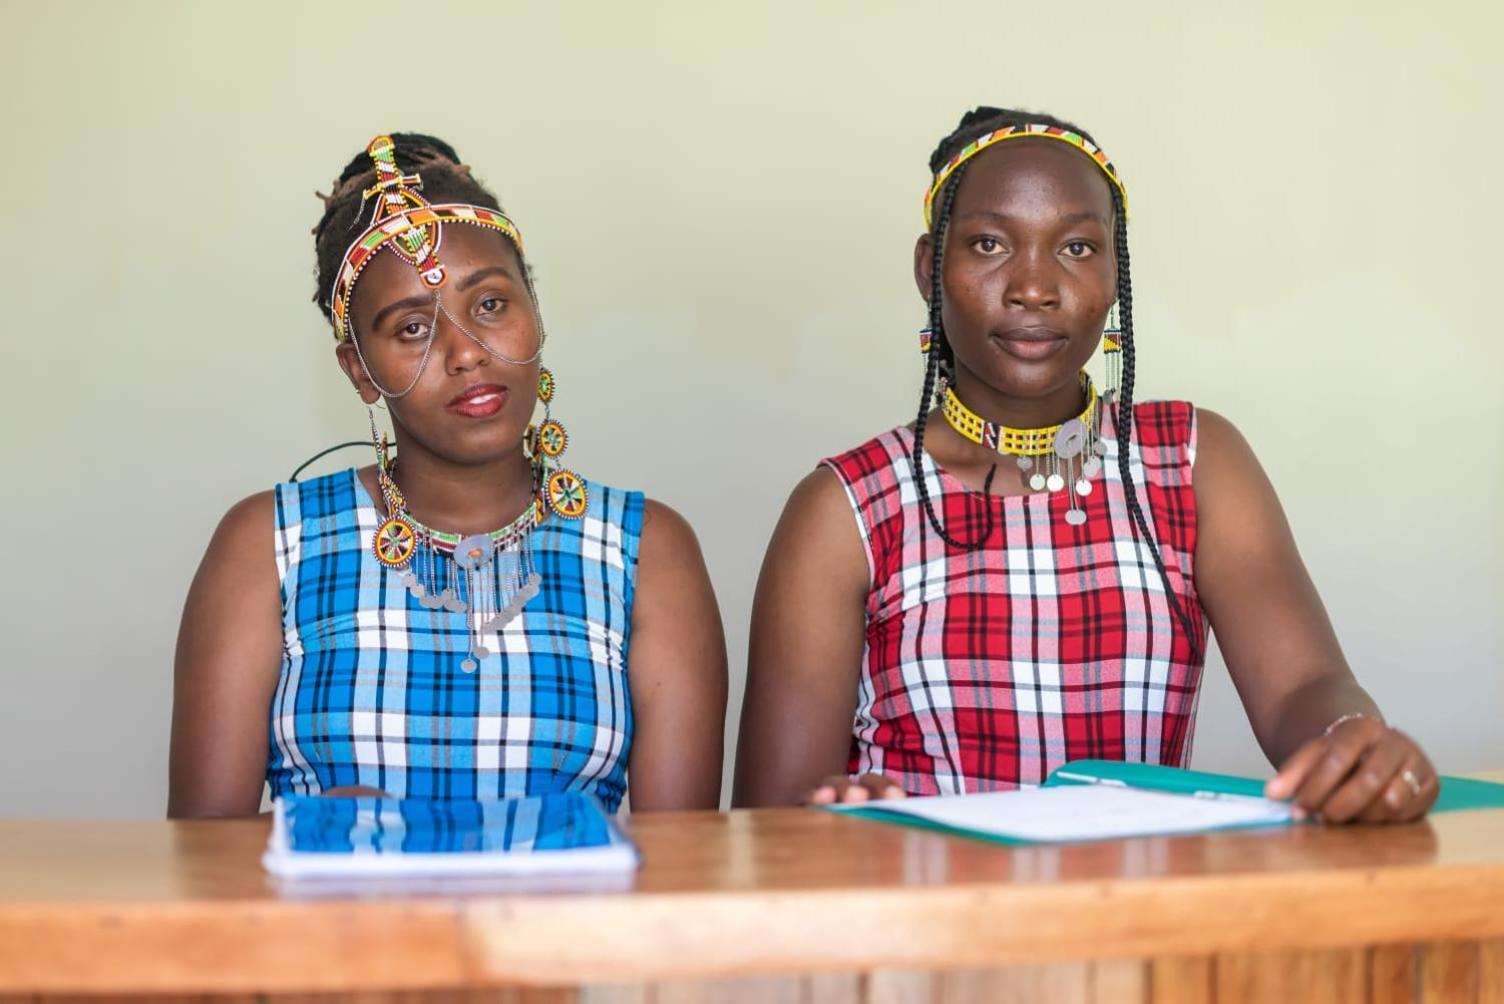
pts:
pixel 1016 442
pixel 1071 452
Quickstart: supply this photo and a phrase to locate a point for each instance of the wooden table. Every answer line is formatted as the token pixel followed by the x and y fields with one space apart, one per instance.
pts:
pixel 779 905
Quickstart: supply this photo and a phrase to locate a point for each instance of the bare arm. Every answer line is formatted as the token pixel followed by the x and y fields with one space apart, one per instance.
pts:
pixel 1282 652
pixel 677 670
pixel 228 657
pixel 808 624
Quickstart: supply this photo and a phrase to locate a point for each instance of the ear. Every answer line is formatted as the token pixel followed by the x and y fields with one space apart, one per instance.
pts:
pixel 924 265
pixel 349 361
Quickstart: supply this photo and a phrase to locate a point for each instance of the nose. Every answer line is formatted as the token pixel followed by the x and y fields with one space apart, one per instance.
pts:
pixel 461 352
pixel 1033 283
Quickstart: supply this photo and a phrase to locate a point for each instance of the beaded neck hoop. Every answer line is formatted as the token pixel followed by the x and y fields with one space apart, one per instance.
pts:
pixel 488 577
pixel 1064 456
pixel 407 223
pixel 1026 131
pixel 448 543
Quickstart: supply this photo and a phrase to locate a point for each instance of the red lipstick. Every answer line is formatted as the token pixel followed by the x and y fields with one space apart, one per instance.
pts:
pixel 479 401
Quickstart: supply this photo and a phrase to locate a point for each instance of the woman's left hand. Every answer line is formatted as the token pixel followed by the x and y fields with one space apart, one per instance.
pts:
pixel 1360 771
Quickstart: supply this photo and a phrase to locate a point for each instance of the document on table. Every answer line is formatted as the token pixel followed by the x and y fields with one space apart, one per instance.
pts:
pixel 562 834
pixel 1076 813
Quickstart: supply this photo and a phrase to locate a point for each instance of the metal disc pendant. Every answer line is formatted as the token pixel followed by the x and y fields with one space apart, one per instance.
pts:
pixel 482 652
pixel 469 665
pixel 1037 481
pixel 1054 482
pixel 1083 486
pixel 473 551
pixel 455 605
pixel 1071 439
pixel 1025 463
pixel 1100 448
pixel 1091 466
pixel 1075 517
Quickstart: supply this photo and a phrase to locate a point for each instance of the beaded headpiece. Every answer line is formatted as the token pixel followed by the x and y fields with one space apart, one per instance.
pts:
pixel 1026 131
pixel 409 224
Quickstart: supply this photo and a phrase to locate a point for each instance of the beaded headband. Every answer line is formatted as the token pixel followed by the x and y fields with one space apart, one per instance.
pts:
pixel 410 225
pixel 1026 131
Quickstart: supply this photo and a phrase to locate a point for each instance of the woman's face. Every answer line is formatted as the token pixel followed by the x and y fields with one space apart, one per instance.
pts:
pixel 467 405
pixel 1028 267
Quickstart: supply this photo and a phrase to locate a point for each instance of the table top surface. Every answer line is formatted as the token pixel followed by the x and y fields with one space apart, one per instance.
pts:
pixel 762 850
pixel 745 892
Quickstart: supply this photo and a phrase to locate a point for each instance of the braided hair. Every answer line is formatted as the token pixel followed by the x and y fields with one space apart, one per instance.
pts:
pixel 445 179
pixel 942 358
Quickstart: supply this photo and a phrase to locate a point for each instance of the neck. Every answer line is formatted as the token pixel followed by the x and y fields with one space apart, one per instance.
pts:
pixel 463 498
pixel 1048 409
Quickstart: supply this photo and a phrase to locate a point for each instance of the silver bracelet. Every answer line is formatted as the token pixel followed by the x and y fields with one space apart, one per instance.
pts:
pixel 1345 718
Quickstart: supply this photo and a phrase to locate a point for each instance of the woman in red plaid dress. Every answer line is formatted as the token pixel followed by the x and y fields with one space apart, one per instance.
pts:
pixel 1025 575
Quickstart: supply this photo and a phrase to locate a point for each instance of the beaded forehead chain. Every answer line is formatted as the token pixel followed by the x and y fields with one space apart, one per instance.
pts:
pixel 407 223
pixel 1026 131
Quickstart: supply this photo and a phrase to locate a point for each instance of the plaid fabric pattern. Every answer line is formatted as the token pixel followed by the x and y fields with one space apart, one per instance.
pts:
pixel 553 822
pixel 371 690
pixel 987 670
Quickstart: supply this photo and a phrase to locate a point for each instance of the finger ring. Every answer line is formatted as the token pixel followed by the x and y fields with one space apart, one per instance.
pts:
pixel 1408 776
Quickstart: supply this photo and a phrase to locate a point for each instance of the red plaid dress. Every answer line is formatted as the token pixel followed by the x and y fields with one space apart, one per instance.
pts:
pixel 989 669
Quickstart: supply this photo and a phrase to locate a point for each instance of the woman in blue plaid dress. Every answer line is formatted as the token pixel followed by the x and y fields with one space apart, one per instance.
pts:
pixel 373 630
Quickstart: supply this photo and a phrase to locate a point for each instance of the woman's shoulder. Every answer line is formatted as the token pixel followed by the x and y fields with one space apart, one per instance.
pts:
pixel 252 518
pixel 1164 423
pixel 604 503
pixel 317 497
pixel 873 456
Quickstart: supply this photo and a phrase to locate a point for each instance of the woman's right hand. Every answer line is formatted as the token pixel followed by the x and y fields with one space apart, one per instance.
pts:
pixel 840 788
pixel 355 791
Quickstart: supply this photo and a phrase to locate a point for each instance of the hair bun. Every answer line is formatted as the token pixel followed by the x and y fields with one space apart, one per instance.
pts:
pixel 979 114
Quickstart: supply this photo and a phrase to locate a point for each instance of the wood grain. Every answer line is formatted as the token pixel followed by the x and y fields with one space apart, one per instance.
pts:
pixel 1393 974
pixel 1449 973
pixel 1329 977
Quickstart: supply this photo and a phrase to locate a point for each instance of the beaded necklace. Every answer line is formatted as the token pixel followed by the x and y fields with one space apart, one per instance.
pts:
pixel 1071 452
pixel 488 577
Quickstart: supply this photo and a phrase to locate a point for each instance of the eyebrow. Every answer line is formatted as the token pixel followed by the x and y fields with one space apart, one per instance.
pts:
pixel 406 303
pixel 468 282
pixel 476 278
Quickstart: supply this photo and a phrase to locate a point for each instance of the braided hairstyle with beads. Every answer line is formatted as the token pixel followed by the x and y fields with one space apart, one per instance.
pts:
pixel 347 212
pixel 940 364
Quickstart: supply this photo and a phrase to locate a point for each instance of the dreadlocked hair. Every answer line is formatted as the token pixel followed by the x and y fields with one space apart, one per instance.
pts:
pixel 941 362
pixel 445 179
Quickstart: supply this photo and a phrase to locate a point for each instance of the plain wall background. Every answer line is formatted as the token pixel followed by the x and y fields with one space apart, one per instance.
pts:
pixel 721 203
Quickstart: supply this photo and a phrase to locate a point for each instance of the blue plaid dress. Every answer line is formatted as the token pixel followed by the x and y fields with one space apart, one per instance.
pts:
pixel 371 691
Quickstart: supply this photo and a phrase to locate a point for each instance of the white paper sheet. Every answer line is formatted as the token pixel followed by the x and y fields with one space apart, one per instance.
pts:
pixel 1084 812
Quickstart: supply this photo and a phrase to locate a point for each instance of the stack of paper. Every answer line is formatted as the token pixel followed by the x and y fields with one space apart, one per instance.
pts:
pixel 1084 812
pixel 559 834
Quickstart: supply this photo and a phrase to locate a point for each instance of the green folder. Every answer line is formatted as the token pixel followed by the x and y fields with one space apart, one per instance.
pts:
pixel 1457 793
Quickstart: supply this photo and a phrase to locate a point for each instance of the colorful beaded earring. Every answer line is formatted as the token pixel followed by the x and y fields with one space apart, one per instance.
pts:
pixel 1112 354
pixel 564 490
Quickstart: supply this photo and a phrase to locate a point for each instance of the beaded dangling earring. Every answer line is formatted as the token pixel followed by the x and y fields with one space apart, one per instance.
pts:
pixel 1112 354
pixel 564 491
pixel 942 368
pixel 395 540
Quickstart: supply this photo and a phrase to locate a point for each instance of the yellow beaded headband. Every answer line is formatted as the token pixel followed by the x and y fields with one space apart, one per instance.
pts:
pixel 404 221
pixel 1027 131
